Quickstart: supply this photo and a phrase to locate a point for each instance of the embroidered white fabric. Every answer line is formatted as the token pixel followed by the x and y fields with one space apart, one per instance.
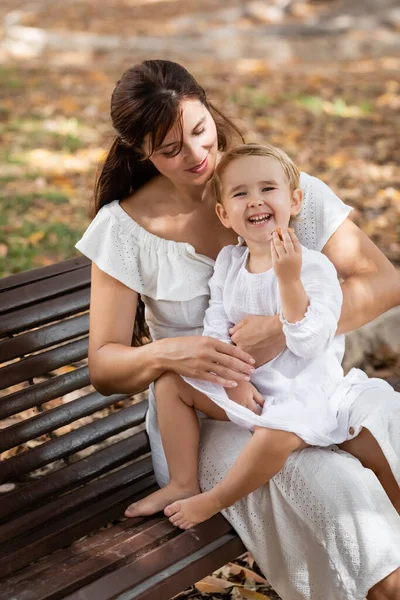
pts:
pixel 323 529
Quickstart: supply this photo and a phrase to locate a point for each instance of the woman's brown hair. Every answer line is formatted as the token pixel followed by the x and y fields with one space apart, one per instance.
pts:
pixel 146 102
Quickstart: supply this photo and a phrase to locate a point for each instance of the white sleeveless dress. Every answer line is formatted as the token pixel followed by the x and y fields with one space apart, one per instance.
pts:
pixel 323 529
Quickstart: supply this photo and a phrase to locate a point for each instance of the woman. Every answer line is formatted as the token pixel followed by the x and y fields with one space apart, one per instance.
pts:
pixel 324 527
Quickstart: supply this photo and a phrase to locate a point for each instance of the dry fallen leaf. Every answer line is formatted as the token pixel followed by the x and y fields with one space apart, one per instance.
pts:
pixel 213 585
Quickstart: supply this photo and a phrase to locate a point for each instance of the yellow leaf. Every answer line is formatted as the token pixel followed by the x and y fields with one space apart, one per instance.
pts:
pixel 35 237
pixel 3 250
pixel 252 595
pixel 66 369
pixel 213 585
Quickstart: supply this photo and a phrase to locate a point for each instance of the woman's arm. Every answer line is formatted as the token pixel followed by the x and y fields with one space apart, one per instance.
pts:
pixel 371 283
pixel 116 367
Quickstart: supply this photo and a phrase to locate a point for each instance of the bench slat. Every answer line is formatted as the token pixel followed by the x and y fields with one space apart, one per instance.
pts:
pixel 73 475
pixel 66 558
pixel 137 576
pixel 72 442
pixel 44 312
pixel 35 521
pixel 43 363
pixel 42 392
pixel 114 554
pixel 52 287
pixel 70 527
pixel 53 419
pixel 36 340
pixel 186 571
pixel 19 279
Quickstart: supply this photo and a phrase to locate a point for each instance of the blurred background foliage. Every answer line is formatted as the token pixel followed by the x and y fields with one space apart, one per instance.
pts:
pixel 297 74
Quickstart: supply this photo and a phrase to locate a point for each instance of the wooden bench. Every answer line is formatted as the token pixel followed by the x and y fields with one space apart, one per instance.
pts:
pixel 62 531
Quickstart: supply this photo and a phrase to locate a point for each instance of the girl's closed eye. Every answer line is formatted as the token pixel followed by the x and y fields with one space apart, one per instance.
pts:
pixel 268 189
pixel 238 194
pixel 199 132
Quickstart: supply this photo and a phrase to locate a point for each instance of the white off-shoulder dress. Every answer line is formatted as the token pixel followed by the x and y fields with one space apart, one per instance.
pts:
pixel 323 528
pixel 304 388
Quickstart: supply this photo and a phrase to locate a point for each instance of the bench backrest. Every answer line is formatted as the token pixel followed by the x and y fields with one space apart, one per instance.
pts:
pixel 55 444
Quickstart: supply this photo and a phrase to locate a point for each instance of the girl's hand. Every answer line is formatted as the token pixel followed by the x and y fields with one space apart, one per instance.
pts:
pixel 262 337
pixel 286 256
pixel 202 357
pixel 247 395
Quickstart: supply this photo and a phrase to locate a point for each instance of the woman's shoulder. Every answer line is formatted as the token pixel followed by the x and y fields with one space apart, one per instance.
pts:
pixel 156 267
pixel 321 214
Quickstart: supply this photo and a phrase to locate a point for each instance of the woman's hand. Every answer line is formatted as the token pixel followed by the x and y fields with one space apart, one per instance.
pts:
pixel 247 395
pixel 261 337
pixel 203 357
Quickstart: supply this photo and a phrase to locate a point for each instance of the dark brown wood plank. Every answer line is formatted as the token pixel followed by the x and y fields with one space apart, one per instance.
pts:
pixel 33 523
pixel 71 527
pixel 78 552
pixel 45 312
pixel 43 363
pixel 72 442
pixel 73 475
pixel 151 567
pixel 42 392
pixel 19 279
pixel 187 571
pixel 64 559
pixel 39 339
pixel 44 289
pixel 104 559
pixel 50 420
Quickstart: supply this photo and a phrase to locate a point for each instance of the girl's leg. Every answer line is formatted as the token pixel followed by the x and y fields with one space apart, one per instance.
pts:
pixel 324 528
pixel 179 428
pixel 365 447
pixel 249 472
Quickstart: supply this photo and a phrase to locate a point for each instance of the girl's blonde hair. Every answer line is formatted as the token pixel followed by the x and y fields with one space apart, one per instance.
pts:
pixel 291 171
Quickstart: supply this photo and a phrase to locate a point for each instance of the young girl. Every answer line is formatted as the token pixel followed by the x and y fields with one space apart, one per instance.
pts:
pixel 303 397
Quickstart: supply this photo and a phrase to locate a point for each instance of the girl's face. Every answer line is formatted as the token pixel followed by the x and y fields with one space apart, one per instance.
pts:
pixel 194 164
pixel 256 198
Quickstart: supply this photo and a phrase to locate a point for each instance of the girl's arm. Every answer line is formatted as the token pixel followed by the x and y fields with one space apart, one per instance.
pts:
pixel 116 367
pixel 371 286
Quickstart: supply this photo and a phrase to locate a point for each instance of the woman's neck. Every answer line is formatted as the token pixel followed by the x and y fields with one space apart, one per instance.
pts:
pixel 187 196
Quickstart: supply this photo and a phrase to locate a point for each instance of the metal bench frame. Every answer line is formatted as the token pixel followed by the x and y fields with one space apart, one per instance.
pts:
pixel 62 534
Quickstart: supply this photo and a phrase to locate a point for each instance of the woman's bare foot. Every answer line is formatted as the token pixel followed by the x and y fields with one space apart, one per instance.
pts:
pixel 189 512
pixel 157 501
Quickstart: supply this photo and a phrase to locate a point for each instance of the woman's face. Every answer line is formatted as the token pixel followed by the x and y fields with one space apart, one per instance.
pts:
pixel 194 164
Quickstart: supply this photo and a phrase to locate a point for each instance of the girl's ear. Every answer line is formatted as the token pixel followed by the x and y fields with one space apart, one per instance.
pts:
pixel 222 215
pixel 296 202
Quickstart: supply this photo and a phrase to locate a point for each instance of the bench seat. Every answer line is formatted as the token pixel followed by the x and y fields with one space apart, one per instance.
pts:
pixel 72 460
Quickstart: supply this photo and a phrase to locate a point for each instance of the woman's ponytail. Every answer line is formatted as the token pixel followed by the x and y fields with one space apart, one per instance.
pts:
pixel 122 173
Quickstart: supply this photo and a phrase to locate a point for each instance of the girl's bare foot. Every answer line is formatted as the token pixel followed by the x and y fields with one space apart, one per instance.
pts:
pixel 157 501
pixel 189 512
